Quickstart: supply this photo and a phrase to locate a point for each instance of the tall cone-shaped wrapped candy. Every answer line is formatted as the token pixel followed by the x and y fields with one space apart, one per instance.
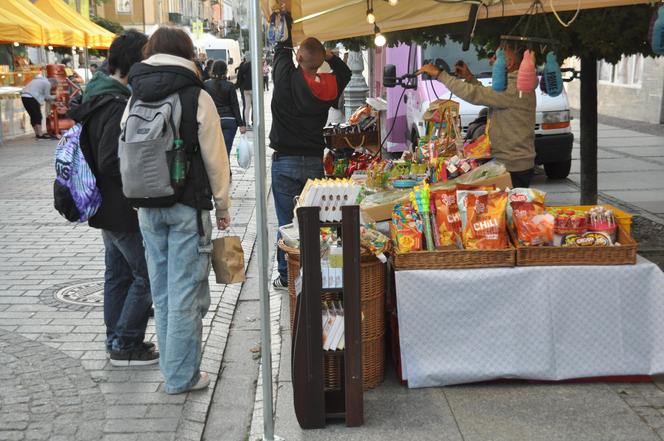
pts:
pixel 526 80
pixel 499 72
pixel 658 33
pixel 552 75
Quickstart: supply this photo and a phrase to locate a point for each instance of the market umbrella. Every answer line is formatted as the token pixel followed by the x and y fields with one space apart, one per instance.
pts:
pixel 16 29
pixel 336 19
pixel 54 32
pixel 96 37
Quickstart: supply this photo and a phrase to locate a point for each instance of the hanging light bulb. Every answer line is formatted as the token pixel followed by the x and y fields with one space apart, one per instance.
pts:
pixel 393 2
pixel 50 48
pixel 16 43
pixel 371 18
pixel 379 39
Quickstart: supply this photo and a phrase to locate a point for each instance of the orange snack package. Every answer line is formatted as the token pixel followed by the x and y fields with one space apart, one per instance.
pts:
pixel 448 218
pixel 485 226
pixel 533 225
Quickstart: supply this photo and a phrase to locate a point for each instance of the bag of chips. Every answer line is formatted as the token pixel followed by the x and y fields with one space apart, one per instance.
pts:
pixel 533 226
pixel 523 195
pixel 447 219
pixel 485 223
pixel 463 190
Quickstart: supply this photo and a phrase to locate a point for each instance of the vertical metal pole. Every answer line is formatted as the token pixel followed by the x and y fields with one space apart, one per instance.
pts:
pixel 87 65
pixel 256 45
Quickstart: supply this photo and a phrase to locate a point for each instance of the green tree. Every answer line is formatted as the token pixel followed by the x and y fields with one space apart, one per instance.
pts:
pixel 112 26
pixel 596 34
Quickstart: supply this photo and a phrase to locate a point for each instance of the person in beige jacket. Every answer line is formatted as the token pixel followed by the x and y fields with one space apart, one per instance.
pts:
pixel 511 115
pixel 178 237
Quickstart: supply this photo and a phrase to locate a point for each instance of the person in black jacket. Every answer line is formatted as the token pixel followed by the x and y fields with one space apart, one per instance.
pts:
pixel 244 84
pixel 300 103
pixel 224 95
pixel 127 299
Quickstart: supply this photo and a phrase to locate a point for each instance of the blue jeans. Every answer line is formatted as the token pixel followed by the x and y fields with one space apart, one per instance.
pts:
pixel 289 174
pixel 179 265
pixel 229 129
pixel 127 297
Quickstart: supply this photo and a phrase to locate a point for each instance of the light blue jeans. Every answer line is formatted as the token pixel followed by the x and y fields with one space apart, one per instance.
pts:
pixel 179 265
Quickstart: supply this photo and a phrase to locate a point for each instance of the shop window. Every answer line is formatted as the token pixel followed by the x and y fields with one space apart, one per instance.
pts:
pixel 123 6
pixel 626 72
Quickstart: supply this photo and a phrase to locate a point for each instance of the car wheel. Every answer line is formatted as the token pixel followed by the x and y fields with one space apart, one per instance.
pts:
pixel 557 170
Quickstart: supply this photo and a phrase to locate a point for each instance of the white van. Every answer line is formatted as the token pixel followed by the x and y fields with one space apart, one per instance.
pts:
pixel 553 133
pixel 222 49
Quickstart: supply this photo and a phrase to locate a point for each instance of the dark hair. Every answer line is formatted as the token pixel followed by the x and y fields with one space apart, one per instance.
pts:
pixel 313 46
pixel 125 51
pixel 208 64
pixel 172 41
pixel 94 65
pixel 219 69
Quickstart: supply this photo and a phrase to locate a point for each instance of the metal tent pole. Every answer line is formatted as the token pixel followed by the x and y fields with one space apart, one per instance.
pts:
pixel 256 48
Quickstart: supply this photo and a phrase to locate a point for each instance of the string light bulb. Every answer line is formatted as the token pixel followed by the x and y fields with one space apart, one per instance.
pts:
pixel 16 43
pixel 393 2
pixel 371 18
pixel 379 39
pixel 50 48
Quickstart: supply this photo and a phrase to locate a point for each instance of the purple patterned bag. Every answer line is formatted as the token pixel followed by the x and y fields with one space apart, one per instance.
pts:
pixel 75 192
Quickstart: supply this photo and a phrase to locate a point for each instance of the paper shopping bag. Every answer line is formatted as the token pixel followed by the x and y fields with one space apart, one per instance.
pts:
pixel 228 259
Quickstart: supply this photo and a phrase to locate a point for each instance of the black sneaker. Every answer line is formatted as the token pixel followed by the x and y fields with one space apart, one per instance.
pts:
pixel 137 357
pixel 279 283
pixel 148 346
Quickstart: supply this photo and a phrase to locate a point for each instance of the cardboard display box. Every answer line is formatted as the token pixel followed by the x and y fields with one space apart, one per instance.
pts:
pixel 384 211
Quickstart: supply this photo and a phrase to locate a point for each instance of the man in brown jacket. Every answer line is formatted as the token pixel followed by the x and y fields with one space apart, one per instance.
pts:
pixel 512 128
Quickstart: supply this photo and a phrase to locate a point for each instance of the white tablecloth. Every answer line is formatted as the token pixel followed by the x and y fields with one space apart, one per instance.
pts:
pixel 546 323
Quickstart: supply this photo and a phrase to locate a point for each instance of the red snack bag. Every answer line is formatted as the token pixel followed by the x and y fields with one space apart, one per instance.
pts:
pixel 485 226
pixel 448 219
pixel 533 225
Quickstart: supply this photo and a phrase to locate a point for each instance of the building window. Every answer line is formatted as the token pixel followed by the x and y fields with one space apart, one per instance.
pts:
pixel 123 6
pixel 626 72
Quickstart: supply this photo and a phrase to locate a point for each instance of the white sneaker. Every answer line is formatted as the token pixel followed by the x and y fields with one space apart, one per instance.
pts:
pixel 202 383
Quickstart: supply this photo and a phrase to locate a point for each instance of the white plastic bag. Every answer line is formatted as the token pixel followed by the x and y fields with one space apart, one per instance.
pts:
pixel 244 152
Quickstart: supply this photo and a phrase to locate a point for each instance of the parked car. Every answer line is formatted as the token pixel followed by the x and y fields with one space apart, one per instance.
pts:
pixel 553 134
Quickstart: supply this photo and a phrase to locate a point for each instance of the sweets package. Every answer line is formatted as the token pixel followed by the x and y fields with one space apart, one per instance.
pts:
pixel 567 222
pixel 601 219
pixel 406 229
pixel 485 221
pixel 588 239
pixel 523 195
pixel 533 226
pixel 478 149
pixel 447 218
pixel 373 241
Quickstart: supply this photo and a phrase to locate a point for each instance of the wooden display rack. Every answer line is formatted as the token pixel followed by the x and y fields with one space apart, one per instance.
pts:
pixel 313 405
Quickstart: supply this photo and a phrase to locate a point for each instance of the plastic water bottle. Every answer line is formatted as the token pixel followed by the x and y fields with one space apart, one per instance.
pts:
pixel 552 75
pixel 499 72
pixel 179 165
pixel 658 33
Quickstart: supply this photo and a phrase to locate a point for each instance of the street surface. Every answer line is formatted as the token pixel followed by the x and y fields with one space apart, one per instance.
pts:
pixel 56 383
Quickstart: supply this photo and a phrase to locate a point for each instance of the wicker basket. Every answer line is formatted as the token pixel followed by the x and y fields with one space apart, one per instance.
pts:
pixel 625 254
pixel 373 361
pixel 372 301
pixel 454 258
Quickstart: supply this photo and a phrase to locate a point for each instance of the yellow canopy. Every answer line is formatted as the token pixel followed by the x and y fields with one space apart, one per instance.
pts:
pixel 335 19
pixel 14 28
pixel 95 36
pixel 54 32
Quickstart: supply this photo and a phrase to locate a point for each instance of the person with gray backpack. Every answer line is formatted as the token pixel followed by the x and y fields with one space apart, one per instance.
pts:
pixel 173 163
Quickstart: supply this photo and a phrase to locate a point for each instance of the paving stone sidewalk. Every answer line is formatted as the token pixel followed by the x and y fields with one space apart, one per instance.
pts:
pixel 55 380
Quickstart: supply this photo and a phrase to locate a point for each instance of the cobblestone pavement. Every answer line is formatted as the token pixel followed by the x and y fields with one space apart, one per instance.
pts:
pixel 51 346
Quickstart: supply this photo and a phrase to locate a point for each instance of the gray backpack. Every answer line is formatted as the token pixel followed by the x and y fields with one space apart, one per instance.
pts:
pixel 145 150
